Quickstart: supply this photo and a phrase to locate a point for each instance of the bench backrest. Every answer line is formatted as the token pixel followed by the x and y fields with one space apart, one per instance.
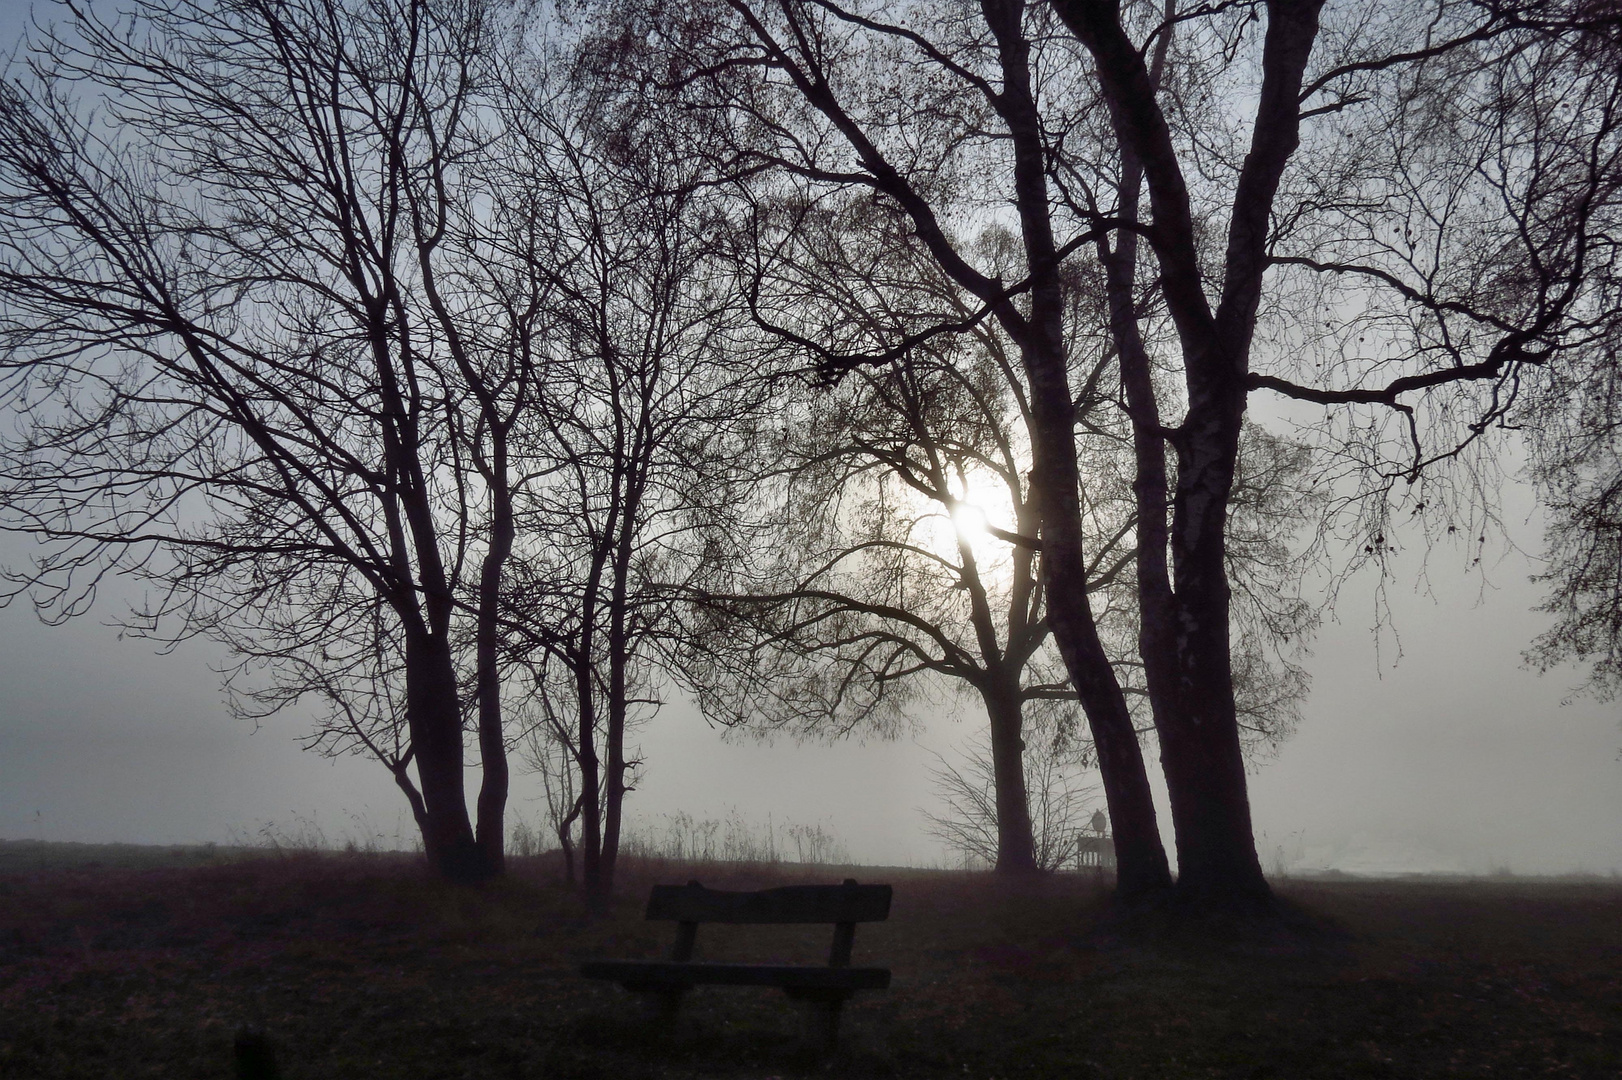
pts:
pixel 843 905
pixel 847 903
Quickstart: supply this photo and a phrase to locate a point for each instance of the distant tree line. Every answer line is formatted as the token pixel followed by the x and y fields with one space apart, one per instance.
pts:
pixel 486 372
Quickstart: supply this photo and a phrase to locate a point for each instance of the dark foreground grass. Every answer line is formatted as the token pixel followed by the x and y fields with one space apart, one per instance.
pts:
pixel 362 966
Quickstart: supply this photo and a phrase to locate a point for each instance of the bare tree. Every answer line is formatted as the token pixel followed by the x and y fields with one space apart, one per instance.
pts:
pixel 1436 89
pixel 807 121
pixel 1054 761
pixel 892 496
pixel 1064 115
pixel 649 398
pixel 901 494
pixel 246 365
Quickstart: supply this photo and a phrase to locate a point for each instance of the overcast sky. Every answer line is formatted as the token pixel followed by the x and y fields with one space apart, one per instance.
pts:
pixel 1455 758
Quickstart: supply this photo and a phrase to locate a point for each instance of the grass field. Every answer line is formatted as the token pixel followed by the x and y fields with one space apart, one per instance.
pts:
pixel 127 962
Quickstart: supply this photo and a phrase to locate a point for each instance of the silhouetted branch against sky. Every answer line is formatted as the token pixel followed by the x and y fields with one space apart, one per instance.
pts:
pixel 285 285
pixel 234 373
pixel 1394 212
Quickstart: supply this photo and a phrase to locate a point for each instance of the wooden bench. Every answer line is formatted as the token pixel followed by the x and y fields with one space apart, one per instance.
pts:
pixel 822 989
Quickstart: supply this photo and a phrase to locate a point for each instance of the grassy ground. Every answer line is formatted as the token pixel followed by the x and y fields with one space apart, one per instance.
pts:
pixel 124 964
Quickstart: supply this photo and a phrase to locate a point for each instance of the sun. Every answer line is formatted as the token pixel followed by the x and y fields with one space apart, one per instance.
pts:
pixel 977 500
pixel 969 520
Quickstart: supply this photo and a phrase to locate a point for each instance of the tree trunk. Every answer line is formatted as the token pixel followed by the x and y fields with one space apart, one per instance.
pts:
pixel 433 715
pixel 613 788
pixel 591 814
pixel 1201 753
pixel 565 844
pixel 613 795
pixel 1141 866
pixel 1016 846
pixel 619 659
pixel 1140 856
pixel 491 834
pixel 1205 772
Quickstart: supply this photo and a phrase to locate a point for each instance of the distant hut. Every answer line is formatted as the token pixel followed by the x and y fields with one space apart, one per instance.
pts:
pixel 1096 849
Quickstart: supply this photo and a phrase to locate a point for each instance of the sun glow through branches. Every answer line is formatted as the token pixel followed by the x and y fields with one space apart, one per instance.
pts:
pixel 979 499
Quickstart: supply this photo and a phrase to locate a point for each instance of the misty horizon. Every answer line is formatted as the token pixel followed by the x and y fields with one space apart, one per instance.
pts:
pixel 1453 759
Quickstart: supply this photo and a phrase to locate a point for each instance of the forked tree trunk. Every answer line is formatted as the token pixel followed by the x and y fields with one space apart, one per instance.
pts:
pixel 433 715
pixel 1188 675
pixel 1185 640
pixel 1016 846
pixel 1204 761
pixel 565 844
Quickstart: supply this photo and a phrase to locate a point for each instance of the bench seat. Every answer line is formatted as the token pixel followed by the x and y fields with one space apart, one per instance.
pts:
pixel 822 990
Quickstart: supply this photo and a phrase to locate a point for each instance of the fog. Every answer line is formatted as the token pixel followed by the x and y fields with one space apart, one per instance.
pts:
pixel 1435 751
pixel 1426 747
